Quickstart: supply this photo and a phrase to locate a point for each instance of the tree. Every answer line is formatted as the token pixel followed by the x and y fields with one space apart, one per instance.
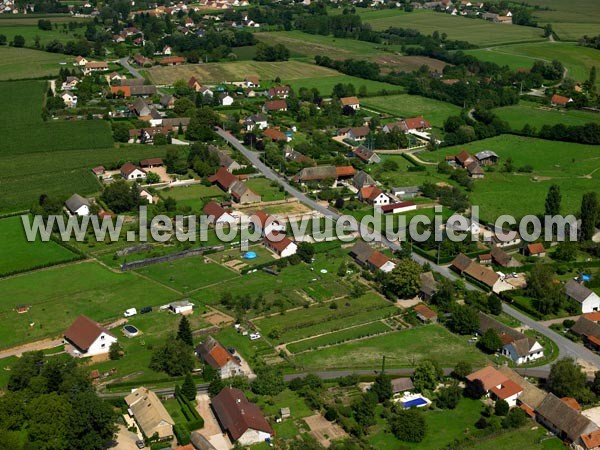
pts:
pixel 382 387
pixel 501 407
pixel 465 320
pixel 183 106
pixel 590 211
pixel 490 342
pixel 462 369
pixel 404 281
pixel 269 381
pixel 565 251
pixel 115 352
pixel 363 409
pixel 494 304
pixel 566 379
pixel 188 388
pixel 120 132
pixel 120 197
pixel 305 251
pixel 516 418
pixel 548 295
pixel 152 177
pixel 184 333
pixel 174 358
pixel 449 396
pixel 552 205
pixel 408 425
pixel 596 383
pixel 149 49
pixel 2 39
pixel 18 41
pixel 427 374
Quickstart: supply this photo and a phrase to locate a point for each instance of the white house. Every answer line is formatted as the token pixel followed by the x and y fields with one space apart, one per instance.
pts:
pixel 496 385
pixel 352 102
pixel 69 99
pixel 181 307
pixel 88 337
pixel 167 50
pixel 80 61
pixel 146 195
pixel 589 300
pixel 397 208
pixel 219 358
pixel 132 172
pixel 378 260
pixel 226 99
pixel 77 205
pixel 280 245
pixel 266 224
pixel 217 214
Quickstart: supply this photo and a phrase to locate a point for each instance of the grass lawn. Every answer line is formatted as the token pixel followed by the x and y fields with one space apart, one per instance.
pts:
pixel 19 254
pixel 194 196
pixel 265 188
pixel 571 166
pixel 57 296
pixel 537 115
pixel 187 274
pixel 475 31
pixel 229 337
pixel 520 439
pixel 18 63
pixel 262 255
pixel 402 348
pixel 403 106
pixel 12 28
pixel 325 85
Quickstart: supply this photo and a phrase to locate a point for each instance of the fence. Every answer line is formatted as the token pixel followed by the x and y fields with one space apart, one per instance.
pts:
pixel 171 257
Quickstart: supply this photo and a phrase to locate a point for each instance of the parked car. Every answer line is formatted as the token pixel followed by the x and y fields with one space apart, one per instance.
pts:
pixel 146 309
pixel 130 312
pixel 140 443
pixel 255 336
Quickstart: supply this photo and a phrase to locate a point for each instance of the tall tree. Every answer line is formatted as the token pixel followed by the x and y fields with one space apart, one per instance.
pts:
pixel 188 388
pixel 490 341
pixel 566 379
pixel 426 375
pixel 553 199
pixel 382 387
pixel 184 333
pixel 404 280
pixel 590 210
pixel 408 425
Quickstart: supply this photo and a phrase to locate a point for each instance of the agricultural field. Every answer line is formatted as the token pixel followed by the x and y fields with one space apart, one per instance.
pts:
pixel 475 31
pixel 58 295
pixel 325 84
pixel 26 63
pixel 194 196
pixel 18 254
pixel 11 28
pixel 573 167
pixel 402 349
pixel 187 274
pixel 404 105
pixel 537 115
pixel 578 60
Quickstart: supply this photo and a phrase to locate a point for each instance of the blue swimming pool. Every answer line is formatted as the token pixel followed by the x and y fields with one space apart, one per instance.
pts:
pixel 250 255
pixel 412 403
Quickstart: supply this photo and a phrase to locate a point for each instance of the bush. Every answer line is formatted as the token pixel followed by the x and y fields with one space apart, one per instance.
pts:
pixel 182 434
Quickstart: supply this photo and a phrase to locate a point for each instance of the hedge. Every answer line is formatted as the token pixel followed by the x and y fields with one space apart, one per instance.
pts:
pixel 182 434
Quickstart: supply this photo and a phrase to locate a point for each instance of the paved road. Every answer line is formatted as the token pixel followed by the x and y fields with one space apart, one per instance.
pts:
pixel 31 347
pixel 565 346
pixel 132 70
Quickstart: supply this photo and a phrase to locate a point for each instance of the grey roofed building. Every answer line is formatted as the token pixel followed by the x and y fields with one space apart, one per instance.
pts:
pixel 224 159
pixel 521 342
pixel 500 257
pixel 200 442
pixel 486 154
pixel 461 262
pixel 316 173
pixel 144 90
pixel 563 420
pixel 361 251
pixel 586 327
pixel 362 179
pixel 130 82
pixel 150 414
pixel 406 190
pixel 140 107
pixel 176 121
pixel 532 395
pixel 475 170
pixel 402 385
pixel 428 284
pixel 577 291
pixel 166 100
pixel 75 202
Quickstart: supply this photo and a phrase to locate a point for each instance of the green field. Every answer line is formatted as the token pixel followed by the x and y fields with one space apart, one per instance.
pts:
pixel 578 60
pixel 475 31
pixel 187 274
pixel 402 349
pixel 57 296
pixel 574 167
pixel 12 28
pixel 537 115
pixel 325 84
pixel 403 106
pixel 19 254
pixel 18 63
pixel 194 196
pixel 267 191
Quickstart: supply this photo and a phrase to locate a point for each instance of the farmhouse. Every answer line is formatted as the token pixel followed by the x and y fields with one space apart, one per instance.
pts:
pixel 366 155
pixel 464 159
pixel 360 252
pixel 132 172
pixel 225 99
pixel 141 108
pixel 461 263
pixel 95 66
pixel 484 275
pixel 175 123
pixel 562 420
pixel 279 92
pixel 88 337
pixel 320 173
pixel 98 170
pixel 181 307
pixel 215 355
pixel 531 397
pixel 223 179
pixel 167 101
pixel 151 162
pixel 275 135
pixel 589 300
pixel 517 346
pixel 425 314
pixel 374 196
pixel 588 328
pixel 78 205
pixel 397 208
pixel 487 158
pixel 241 193
pixel 536 249
pixel 275 106
pixel 495 384
pixel 150 414
pixel 500 257
pixel 352 102
pixel 405 192
pixel 475 170
pixel 217 214
pixel 194 84
pixel 560 100
pixel 416 124
pixel 256 120
pixel 280 244
pixel 378 260
pixel 362 179
pixel 243 421
pixel 225 160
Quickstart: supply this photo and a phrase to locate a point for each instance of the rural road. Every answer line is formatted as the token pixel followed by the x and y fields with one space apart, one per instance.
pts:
pixel 566 347
pixel 125 63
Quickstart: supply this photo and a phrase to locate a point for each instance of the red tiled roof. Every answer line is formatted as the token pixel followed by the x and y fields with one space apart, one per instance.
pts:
pixel 378 259
pixel 415 123
pixel 151 162
pixel 559 99
pixel 393 206
pixel 278 244
pixel 425 311
pixel 571 402
pixel 344 171
pixel 528 410
pixel 172 60
pixel 594 316
pixel 370 192
pixel 214 209
pixel 488 376
pixel 591 440
pixel 124 90
pixel 127 168
pixel 347 101
pixel 83 332
pixel 463 156
pixel 507 389
pixel 223 178
pixel 536 248
pixel 276 105
pixel 237 414
pixel 274 134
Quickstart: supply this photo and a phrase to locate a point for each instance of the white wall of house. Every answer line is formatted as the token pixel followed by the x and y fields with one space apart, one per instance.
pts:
pixel 388 267
pixel 253 437
pixel 381 199
pixel 136 174
pixel 230 370
pixel 225 219
pixel 227 101
pixel 512 400
pixel 83 210
pixel 182 309
pixel 591 304
pixel 536 352
pixel 289 250
pixel 101 345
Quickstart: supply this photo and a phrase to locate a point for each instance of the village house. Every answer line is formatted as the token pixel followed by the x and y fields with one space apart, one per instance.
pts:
pixel 80 61
pixel 69 99
pixel 225 99
pixel 70 83
pixel 256 121
pixel 176 123
pixel 425 314
pixel 240 419
pixel 321 173
pixel 242 194
pixel 406 192
pixel 78 205
pixel 183 307
pixel 362 179
pixel 167 101
pixel 475 170
pixel 588 328
pixel 495 385
pixel 171 61
pixel 531 397
pixel 147 195
pixel 295 156
pixel 225 160
pixel 400 385
pixel 279 92
pixel 354 133
pixel 487 158
pixel 150 414
pixel 588 299
pixel 223 179
pixel 88 338
pixel 266 224
pixel 146 135
pixel 398 207
pixel 212 352
pixel 366 155
pixel 132 172
pixel 374 196
pixel 463 159
pixel 252 82
pixel 217 215
pixel 519 347
pixel 151 162
pixel 98 171
pixel 351 102
pixel 280 244
pixel 500 257
pixel 274 106
pixel 416 124
pixel 536 250
pixel 378 260
pixel 275 135
pixel 95 66
pixel 206 91
pixel 560 100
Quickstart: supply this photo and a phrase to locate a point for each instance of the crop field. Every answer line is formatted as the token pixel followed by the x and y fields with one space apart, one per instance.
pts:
pixel 18 254
pixel 237 71
pixel 12 28
pixel 537 115
pixel 402 348
pixel 25 63
pixel 476 31
pixel 405 105
pixel 325 84
pixel 57 296
pixel 578 60
pixel 193 196
pixel 187 274
pixel 573 167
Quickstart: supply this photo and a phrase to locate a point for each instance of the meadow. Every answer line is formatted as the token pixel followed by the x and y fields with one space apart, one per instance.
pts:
pixel 573 167
pixel 267 191
pixel 537 115
pixel 58 295
pixel 404 105
pixel 11 28
pixel 18 254
pixel 194 196
pixel 476 31
pixel 578 60
pixel 325 84
pixel 18 63
pixel 401 348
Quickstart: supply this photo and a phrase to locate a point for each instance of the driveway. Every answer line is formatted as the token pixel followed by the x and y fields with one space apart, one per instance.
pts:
pixel 125 439
pixel 34 346
pixel 211 430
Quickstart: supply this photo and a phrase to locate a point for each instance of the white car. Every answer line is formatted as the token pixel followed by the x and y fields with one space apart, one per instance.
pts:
pixel 130 312
pixel 255 336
